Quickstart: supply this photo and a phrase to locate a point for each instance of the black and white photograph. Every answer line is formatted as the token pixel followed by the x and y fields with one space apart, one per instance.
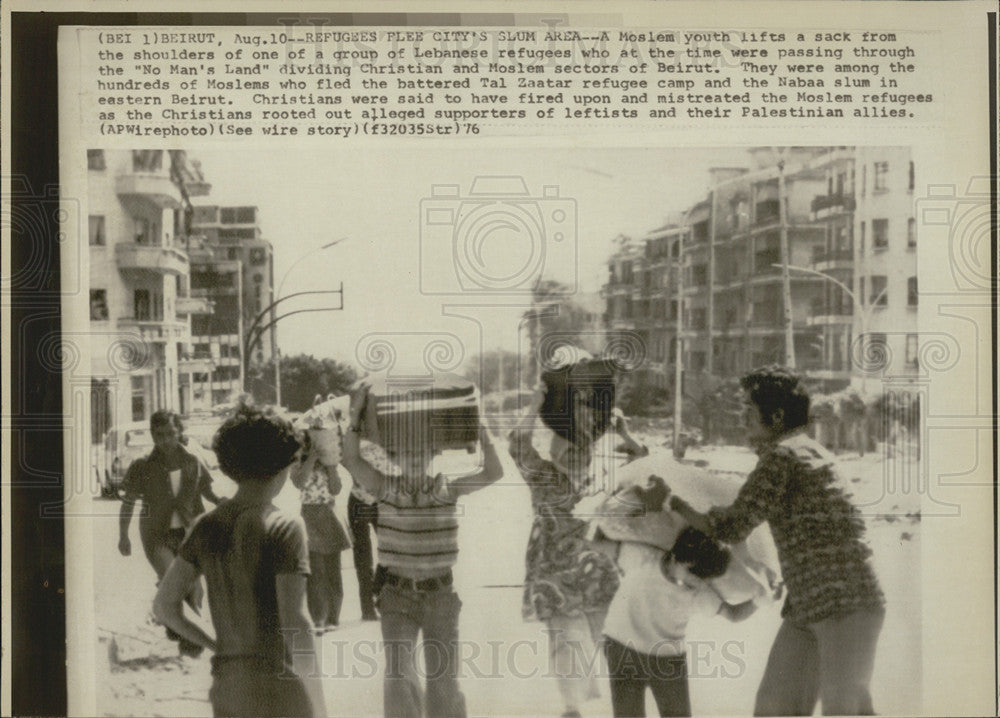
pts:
pixel 537 361
pixel 560 426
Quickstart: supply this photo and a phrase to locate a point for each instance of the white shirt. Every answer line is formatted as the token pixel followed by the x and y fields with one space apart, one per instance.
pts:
pixel 175 486
pixel 650 612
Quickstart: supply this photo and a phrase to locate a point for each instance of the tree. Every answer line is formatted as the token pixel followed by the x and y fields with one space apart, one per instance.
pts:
pixel 303 376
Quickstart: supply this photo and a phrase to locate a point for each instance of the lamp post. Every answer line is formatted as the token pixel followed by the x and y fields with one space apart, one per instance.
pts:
pixel 253 338
pixel 679 347
pixel 277 350
pixel 786 284
pixel 864 310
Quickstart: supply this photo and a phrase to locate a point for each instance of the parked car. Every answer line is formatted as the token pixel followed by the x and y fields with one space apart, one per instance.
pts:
pixel 122 445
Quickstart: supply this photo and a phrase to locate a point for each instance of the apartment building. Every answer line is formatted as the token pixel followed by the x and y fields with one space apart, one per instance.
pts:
pixel 234 267
pixel 846 216
pixel 140 307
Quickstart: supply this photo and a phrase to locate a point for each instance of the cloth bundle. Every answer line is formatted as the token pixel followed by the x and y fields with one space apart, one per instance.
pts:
pixel 322 422
pixel 754 568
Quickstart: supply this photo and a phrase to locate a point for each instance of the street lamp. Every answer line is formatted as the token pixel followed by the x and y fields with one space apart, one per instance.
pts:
pixel 865 311
pixel 277 349
pixel 250 340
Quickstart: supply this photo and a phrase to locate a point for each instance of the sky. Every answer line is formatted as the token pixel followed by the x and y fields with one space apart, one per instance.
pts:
pixel 405 245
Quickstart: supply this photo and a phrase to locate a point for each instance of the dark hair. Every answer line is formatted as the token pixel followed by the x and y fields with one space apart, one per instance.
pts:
pixel 773 388
pixel 255 443
pixel 706 557
pixel 166 418
pixel 591 381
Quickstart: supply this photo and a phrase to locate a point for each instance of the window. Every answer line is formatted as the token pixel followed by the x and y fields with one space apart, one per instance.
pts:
pixel 98 305
pixel 142 231
pixel 138 398
pixel 861 237
pixel 911 182
pixel 911 233
pixel 879 294
pixel 97 235
pixel 698 317
pixel 699 275
pixel 861 289
pixel 864 179
pixel 881 177
pixel 911 292
pixel 95 160
pixel 141 304
pixel 912 347
pixel 238 215
pixel 232 253
pixel 880 233
pixel 147 160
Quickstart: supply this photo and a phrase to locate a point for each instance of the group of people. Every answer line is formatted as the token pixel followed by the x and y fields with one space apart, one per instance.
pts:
pixel 633 599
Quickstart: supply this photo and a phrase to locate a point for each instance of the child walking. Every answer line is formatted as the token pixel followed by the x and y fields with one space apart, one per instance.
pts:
pixel 255 561
pixel 647 620
pixel 417 548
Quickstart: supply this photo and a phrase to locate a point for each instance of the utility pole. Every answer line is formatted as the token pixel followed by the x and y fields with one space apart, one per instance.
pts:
pixel 786 282
pixel 678 345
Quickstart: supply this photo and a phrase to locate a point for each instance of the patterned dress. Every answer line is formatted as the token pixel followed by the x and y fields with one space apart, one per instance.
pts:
pixel 566 574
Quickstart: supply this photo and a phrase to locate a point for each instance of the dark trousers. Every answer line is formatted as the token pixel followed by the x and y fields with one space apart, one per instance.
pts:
pixel 632 672
pixel 405 614
pixel 325 588
pixel 831 660
pixel 243 688
pixel 360 516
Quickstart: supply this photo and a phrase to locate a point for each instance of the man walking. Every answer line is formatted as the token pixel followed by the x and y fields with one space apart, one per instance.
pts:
pixel 171 482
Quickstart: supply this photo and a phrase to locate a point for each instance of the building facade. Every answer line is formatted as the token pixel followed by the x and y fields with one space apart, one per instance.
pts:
pixel 234 268
pixel 845 216
pixel 139 270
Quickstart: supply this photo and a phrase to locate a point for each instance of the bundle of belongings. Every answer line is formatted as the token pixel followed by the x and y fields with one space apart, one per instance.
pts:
pixel 627 515
pixel 440 412
pixel 322 422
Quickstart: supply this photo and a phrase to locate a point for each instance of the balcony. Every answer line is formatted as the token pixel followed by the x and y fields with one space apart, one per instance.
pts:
pixel 197 363
pixel 822 313
pixel 153 331
pixel 194 305
pixel 150 188
pixel 134 257
pixel 827 259
pixel 828 205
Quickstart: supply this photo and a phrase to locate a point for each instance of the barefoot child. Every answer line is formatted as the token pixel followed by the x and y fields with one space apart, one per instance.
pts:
pixel 255 561
pixel 647 620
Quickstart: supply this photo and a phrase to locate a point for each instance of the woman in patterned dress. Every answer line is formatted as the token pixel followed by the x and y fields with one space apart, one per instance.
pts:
pixel 570 581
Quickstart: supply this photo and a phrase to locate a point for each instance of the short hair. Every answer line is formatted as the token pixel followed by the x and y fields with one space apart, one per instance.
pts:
pixel 255 443
pixel 707 558
pixel 591 381
pixel 166 418
pixel 776 387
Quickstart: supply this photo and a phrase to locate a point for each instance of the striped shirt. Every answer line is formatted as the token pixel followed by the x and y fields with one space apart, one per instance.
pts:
pixel 417 528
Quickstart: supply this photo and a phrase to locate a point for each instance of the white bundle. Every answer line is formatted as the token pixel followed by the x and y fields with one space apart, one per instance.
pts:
pixel 754 567
pixel 322 422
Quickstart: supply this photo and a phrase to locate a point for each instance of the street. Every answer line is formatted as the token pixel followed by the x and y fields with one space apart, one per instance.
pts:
pixel 504 669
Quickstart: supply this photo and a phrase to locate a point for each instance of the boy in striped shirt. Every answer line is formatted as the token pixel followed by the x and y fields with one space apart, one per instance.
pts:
pixel 417 548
